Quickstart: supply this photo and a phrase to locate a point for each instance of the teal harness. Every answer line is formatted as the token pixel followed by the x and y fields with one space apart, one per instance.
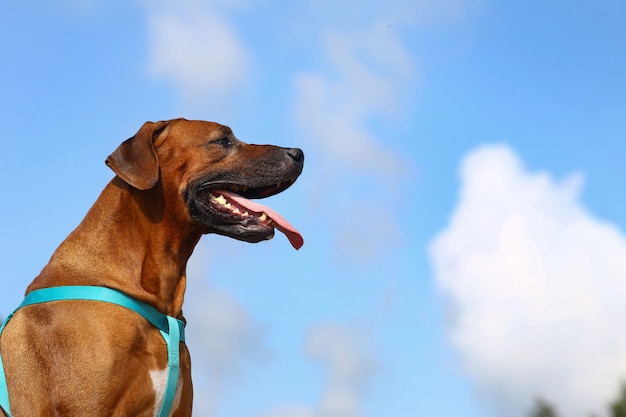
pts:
pixel 172 330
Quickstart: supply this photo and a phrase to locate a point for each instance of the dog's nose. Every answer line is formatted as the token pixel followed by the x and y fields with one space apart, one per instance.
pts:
pixel 296 154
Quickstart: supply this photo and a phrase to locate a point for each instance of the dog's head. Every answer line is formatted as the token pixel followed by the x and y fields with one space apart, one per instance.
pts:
pixel 205 171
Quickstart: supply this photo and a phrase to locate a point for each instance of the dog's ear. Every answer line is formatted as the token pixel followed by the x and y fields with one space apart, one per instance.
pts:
pixel 135 161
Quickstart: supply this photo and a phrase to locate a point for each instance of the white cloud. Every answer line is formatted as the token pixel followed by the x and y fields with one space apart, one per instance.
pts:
pixel 536 286
pixel 198 51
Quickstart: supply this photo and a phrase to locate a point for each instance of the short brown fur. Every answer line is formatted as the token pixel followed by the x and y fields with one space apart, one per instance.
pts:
pixel 85 358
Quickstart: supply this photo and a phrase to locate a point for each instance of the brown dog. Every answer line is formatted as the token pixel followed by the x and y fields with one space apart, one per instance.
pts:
pixel 176 180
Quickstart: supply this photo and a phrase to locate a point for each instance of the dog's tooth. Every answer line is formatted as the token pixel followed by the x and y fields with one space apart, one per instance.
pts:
pixel 227 205
pixel 221 200
pixel 263 217
pixel 236 210
pixel 246 214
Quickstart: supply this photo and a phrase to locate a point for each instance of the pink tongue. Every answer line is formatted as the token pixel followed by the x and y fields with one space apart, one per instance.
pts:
pixel 295 238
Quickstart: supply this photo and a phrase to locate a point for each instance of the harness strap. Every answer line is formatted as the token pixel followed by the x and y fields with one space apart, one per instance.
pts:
pixel 172 330
pixel 172 339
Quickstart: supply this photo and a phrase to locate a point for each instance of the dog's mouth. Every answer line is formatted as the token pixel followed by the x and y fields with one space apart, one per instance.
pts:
pixel 233 213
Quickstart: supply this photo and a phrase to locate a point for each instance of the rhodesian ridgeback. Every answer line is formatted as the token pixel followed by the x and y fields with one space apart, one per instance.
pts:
pixel 175 181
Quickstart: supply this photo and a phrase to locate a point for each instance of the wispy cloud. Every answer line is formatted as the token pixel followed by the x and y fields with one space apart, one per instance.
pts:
pixel 81 7
pixel 342 106
pixel 349 366
pixel 365 76
pixel 536 287
pixel 352 13
pixel 222 337
pixel 343 351
pixel 198 51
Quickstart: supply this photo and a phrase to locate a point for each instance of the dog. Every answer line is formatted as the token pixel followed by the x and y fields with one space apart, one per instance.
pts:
pixel 175 181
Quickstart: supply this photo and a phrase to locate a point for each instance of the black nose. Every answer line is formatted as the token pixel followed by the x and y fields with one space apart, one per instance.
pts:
pixel 296 154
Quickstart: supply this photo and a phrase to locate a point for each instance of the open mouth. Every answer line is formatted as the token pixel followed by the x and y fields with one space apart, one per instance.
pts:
pixel 234 213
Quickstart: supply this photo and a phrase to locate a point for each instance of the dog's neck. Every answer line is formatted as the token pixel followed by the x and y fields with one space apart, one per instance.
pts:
pixel 147 259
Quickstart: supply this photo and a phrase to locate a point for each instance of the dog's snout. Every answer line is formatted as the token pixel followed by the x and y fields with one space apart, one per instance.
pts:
pixel 296 154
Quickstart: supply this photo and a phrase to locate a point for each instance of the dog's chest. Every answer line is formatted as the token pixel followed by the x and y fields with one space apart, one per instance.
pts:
pixel 159 383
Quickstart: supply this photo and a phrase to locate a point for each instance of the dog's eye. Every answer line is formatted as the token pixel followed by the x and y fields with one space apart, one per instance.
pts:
pixel 223 141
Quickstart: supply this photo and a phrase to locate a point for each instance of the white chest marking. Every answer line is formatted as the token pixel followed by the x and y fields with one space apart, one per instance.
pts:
pixel 159 383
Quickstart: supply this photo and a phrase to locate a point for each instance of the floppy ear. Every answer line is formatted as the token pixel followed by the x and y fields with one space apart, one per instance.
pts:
pixel 135 160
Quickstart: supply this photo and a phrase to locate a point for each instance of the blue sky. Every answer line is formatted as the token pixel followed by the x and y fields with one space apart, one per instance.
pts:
pixel 461 200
